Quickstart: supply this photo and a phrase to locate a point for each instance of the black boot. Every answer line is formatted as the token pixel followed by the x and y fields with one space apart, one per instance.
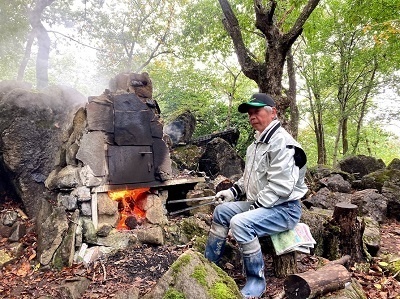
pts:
pixel 216 242
pixel 254 266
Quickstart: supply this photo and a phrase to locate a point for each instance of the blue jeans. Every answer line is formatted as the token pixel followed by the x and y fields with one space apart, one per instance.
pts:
pixel 245 225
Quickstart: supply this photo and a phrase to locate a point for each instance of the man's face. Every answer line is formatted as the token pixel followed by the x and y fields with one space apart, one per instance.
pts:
pixel 260 118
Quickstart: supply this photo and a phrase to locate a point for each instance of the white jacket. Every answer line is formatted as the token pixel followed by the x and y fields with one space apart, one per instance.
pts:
pixel 275 169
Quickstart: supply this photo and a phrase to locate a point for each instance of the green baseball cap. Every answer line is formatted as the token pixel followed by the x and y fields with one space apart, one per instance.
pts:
pixel 257 100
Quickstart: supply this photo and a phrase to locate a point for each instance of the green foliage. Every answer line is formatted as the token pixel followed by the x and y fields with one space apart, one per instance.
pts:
pixel 374 142
pixel 178 89
pixel 346 60
pixel 128 33
pixel 14 27
pixel 191 60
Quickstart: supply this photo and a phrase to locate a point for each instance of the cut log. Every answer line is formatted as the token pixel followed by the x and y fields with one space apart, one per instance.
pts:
pixel 313 283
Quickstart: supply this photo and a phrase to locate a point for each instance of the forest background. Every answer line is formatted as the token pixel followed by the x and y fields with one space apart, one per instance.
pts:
pixel 340 73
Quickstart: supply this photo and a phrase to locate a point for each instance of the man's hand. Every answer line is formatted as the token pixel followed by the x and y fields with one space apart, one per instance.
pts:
pixel 224 196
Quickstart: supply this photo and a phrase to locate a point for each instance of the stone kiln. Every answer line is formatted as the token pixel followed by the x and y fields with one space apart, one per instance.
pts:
pixel 115 167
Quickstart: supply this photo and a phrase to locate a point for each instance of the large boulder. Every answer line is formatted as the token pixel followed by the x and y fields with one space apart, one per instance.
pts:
pixel 181 129
pixel 191 276
pixel 220 158
pixel 361 165
pixel 32 125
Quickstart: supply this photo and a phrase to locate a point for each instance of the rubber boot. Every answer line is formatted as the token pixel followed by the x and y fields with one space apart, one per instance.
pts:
pixel 216 242
pixel 253 263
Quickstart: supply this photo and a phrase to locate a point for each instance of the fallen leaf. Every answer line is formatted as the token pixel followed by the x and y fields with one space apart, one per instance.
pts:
pixel 32 256
pixel 24 269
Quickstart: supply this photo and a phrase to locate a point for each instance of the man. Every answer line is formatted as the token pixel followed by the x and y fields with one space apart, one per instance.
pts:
pixel 273 184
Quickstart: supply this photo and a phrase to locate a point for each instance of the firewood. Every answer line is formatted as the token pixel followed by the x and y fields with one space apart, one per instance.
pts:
pixel 313 283
pixel 131 222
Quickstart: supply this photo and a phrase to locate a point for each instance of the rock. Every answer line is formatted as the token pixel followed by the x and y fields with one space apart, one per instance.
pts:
pixel 370 203
pixel 18 231
pixel 181 129
pixel 130 293
pixel 326 199
pixel 52 224
pixel 64 255
pixel 376 179
pixel 65 178
pixel 5 231
pixel 187 157
pixel 151 235
pixel 156 214
pixel 371 236
pixel 353 290
pixel 74 289
pixel 316 219
pixel 104 230
pixel 31 128
pixel 5 258
pixel 220 158
pixel 117 239
pixel 361 165
pixel 192 276
pixel 395 164
pixel 336 183
pixel 107 210
pixel 9 217
pixel 68 201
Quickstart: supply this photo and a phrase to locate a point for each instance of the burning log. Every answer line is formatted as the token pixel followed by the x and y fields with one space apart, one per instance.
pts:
pixel 131 222
pixel 313 283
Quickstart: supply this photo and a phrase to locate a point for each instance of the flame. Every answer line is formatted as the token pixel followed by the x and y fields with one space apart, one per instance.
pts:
pixel 128 198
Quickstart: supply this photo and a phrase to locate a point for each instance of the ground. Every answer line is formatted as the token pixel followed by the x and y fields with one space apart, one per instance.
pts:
pixel 141 267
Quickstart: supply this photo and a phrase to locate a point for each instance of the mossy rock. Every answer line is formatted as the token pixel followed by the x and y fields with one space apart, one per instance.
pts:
pixel 391 263
pixel 193 277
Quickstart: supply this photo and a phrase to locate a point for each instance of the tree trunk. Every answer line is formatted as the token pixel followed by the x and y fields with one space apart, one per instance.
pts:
pixel 336 146
pixel 322 159
pixel 42 59
pixel 345 141
pixel 364 106
pixel 291 94
pixel 27 55
pixel 38 31
pixel 267 74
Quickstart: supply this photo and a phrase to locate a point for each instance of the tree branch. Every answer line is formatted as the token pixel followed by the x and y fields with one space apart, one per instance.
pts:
pixel 75 40
pixel 231 24
pixel 297 28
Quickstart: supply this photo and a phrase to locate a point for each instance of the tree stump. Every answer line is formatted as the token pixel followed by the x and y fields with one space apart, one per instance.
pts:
pixel 344 234
pixel 311 284
pixel 284 264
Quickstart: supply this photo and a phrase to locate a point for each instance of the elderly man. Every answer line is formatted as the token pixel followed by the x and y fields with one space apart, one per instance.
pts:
pixel 272 185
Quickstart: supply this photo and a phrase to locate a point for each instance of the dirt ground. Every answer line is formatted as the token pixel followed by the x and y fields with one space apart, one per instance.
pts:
pixel 141 267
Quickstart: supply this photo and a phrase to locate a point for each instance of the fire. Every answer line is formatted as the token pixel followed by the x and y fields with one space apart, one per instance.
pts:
pixel 127 198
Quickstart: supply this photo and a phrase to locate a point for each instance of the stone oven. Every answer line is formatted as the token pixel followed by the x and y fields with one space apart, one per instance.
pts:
pixel 114 166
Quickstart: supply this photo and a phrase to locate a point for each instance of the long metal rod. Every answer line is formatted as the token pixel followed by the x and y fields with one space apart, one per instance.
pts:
pixel 191 208
pixel 191 199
